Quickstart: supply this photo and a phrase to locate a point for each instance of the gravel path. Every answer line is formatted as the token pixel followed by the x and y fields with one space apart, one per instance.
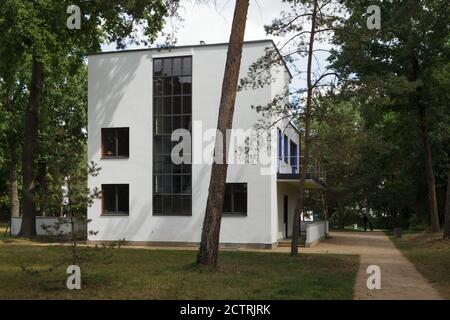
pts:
pixel 399 278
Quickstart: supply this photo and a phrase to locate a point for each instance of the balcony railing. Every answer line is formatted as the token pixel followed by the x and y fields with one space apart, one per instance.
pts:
pixel 315 170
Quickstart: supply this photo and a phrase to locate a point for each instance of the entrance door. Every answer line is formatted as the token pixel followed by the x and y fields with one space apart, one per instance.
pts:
pixel 285 215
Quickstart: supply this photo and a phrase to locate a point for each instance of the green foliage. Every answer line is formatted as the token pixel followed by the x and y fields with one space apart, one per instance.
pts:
pixel 37 29
pixel 389 72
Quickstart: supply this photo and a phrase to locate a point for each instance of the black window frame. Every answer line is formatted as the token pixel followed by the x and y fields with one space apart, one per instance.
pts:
pixel 117 212
pixel 172 109
pixel 116 139
pixel 286 148
pixel 231 189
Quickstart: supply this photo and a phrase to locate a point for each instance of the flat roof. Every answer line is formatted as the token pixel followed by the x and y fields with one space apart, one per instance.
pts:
pixel 270 41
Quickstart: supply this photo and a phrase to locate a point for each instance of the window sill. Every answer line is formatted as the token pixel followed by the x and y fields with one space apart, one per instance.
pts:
pixel 172 215
pixel 114 157
pixel 112 214
pixel 237 215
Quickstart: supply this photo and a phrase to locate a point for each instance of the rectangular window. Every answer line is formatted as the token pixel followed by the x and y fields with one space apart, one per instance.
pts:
pixel 294 157
pixel 115 142
pixel 115 199
pixel 280 144
pixel 172 109
pixel 235 201
pixel 286 149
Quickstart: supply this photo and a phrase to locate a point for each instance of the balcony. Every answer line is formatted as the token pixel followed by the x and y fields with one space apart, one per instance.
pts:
pixel 290 173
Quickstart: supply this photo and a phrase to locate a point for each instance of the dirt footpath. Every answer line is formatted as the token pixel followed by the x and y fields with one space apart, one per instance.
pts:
pixel 399 278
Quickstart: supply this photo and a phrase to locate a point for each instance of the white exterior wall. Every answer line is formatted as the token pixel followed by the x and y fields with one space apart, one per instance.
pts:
pixel 120 95
pixel 48 222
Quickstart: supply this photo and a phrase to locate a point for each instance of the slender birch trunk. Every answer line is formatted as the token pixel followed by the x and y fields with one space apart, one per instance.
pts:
pixel 209 245
pixel 305 159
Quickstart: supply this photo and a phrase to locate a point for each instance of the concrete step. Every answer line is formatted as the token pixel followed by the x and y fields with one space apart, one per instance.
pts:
pixel 287 243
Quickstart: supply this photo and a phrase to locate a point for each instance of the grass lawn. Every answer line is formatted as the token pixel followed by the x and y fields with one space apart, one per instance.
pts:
pixel 170 274
pixel 431 256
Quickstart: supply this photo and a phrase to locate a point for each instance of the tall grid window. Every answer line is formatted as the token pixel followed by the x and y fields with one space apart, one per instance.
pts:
pixel 172 109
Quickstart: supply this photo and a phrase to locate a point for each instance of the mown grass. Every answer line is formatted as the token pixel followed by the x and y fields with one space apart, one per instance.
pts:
pixel 431 256
pixel 170 274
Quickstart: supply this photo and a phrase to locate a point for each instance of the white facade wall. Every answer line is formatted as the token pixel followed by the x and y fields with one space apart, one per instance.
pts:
pixel 49 226
pixel 120 95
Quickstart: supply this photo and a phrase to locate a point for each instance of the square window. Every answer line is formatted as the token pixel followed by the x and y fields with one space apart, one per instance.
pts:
pixel 235 201
pixel 115 142
pixel 115 199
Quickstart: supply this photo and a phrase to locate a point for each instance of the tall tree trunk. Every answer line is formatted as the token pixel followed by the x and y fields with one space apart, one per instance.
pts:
pixel 341 215
pixel 209 245
pixel 28 228
pixel 415 100
pixel 432 203
pixel 305 159
pixel 447 210
pixel 324 205
pixel 14 193
pixel 42 180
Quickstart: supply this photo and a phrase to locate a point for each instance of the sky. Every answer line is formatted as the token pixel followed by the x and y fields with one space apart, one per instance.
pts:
pixel 211 23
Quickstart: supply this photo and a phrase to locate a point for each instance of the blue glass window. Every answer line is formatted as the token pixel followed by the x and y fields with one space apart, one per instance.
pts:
pixel 286 149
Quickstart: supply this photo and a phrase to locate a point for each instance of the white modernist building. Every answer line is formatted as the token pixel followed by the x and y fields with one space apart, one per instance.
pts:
pixel 137 98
